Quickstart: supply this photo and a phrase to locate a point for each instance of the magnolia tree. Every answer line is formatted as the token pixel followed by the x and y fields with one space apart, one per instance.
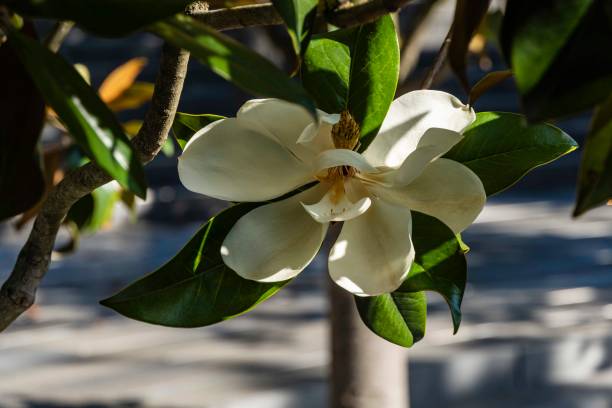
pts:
pixel 338 144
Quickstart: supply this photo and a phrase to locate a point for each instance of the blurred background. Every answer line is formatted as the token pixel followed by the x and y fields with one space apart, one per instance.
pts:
pixel 537 328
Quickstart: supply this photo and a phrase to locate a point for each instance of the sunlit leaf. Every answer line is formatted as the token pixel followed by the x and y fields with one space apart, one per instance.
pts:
pixel 502 147
pixel 86 117
pixel 355 69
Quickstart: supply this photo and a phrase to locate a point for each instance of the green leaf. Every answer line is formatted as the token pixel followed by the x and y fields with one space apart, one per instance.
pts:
pixel 439 266
pixel 555 52
pixel 186 124
pixel 440 263
pixel 195 288
pixel 232 60
pixel 299 16
pixel 468 15
pixel 105 17
pixel 398 317
pixel 94 210
pixel 502 147
pixel 327 68
pixel 355 69
pixel 595 180
pixel 22 113
pixel 87 118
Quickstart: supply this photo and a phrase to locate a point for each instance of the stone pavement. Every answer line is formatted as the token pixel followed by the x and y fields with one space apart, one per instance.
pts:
pixel 536 330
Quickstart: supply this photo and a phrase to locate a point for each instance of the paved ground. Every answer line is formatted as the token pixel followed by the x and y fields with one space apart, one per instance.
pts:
pixel 538 313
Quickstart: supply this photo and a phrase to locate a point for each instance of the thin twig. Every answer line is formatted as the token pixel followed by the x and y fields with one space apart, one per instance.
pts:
pixel 57 36
pixel 439 62
pixel 18 292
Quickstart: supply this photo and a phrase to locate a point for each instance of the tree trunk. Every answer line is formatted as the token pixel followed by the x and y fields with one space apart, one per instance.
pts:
pixel 366 371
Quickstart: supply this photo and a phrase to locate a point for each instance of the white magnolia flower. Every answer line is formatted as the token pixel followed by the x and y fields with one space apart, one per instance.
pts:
pixel 273 147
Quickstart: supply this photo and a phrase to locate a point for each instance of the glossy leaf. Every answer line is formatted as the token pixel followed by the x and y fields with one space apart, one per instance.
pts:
pixel 195 288
pixel 595 181
pixel 185 125
pixel 133 97
pixel 502 147
pixel 490 80
pixel 554 50
pixel 327 67
pixel 105 17
pixel 86 117
pixel 355 69
pixel 22 113
pixel 233 61
pixel 398 317
pixel 468 15
pixel 299 16
pixel 440 263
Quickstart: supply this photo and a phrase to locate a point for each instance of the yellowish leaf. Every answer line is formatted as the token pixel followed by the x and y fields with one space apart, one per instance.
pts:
pixel 134 97
pixel 121 79
pixel 132 127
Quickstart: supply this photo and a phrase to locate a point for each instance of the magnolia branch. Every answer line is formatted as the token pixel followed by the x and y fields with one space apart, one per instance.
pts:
pixel 18 292
pixel 265 14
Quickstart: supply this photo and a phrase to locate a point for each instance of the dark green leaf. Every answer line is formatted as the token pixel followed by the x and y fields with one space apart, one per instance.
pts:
pixel 502 147
pixel 595 182
pixel 487 82
pixel 440 263
pixel 22 112
pixel 355 69
pixel 87 118
pixel 195 288
pixel 299 16
pixel 556 53
pixel 232 60
pixel 468 15
pixel 105 17
pixel 185 125
pixel 398 317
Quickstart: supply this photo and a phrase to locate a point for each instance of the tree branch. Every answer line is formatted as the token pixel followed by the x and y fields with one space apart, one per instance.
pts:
pixel 439 62
pixel 18 292
pixel 58 34
pixel 265 14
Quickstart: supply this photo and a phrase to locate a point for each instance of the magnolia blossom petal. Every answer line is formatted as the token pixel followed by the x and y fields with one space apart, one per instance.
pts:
pixel 434 143
pixel 408 119
pixel 446 190
pixel 231 160
pixel 343 157
pixel 284 120
pixel 316 137
pixel 374 252
pixel 275 242
pixel 336 205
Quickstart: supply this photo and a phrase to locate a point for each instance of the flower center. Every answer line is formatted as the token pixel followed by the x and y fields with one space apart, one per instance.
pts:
pixel 345 133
